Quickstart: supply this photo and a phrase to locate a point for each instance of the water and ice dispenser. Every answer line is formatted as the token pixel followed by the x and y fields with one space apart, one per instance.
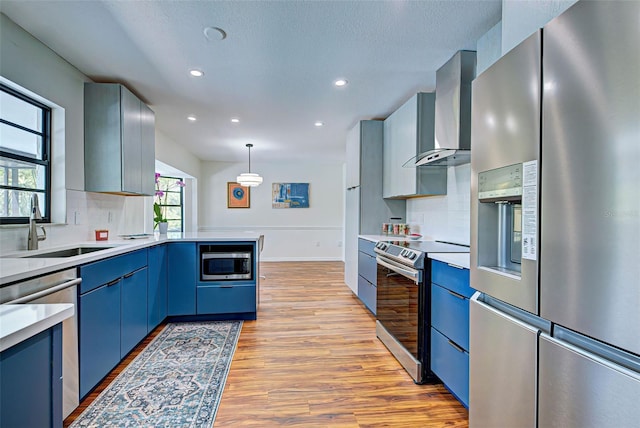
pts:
pixel 500 219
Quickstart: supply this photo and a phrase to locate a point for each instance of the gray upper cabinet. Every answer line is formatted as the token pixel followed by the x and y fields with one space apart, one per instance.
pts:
pixel 119 141
pixel 408 132
pixel 365 209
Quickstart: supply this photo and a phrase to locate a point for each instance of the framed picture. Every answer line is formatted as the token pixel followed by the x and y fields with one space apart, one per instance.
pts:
pixel 237 196
pixel 290 195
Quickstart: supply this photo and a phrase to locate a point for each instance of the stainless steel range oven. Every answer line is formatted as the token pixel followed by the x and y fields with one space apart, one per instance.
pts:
pixel 404 302
pixel 226 262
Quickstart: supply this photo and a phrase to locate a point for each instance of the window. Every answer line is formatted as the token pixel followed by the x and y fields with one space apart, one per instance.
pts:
pixel 25 143
pixel 171 201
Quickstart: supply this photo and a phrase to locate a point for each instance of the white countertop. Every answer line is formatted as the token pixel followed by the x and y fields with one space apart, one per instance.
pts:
pixel 14 268
pixel 458 259
pixel 20 322
pixel 376 238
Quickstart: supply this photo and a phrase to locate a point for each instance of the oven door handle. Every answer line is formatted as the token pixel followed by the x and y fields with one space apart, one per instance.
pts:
pixel 412 274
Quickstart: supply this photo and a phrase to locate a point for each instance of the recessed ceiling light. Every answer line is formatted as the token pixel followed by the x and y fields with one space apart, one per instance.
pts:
pixel 341 82
pixel 319 123
pixel 196 73
pixel 235 120
pixel 215 33
pixel 192 118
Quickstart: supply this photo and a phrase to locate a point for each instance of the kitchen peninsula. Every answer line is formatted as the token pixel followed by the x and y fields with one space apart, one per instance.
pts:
pixel 125 289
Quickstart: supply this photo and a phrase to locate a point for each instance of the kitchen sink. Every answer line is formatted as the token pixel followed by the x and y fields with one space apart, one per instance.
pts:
pixel 69 252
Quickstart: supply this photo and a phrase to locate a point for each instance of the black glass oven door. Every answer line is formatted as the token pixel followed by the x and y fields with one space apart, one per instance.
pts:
pixel 398 307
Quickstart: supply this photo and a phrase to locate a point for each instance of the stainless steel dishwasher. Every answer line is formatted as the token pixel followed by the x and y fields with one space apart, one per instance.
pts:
pixel 59 287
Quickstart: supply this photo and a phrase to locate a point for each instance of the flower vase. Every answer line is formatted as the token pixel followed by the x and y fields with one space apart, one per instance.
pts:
pixel 162 227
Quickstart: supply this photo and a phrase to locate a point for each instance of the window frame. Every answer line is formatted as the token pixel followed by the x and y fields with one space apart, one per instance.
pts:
pixel 45 162
pixel 181 191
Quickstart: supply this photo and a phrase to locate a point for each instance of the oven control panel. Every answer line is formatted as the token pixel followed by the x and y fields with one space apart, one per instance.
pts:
pixel 399 254
pixel 382 245
pixel 408 254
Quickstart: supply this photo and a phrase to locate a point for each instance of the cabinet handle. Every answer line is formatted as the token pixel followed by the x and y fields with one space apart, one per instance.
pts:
pixel 114 282
pixel 130 274
pixel 226 286
pixel 456 266
pixel 454 294
pixel 456 346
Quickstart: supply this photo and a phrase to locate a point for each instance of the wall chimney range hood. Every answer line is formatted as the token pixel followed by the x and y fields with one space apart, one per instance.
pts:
pixel 452 144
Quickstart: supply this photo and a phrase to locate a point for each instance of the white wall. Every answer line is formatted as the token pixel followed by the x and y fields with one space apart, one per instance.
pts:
pixel 27 62
pixel 169 153
pixel 313 233
pixel 445 218
pixel 489 48
pixel 521 18
pixel 32 66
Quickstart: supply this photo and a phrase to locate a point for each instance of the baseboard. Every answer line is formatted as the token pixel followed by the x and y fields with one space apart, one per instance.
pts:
pixel 301 259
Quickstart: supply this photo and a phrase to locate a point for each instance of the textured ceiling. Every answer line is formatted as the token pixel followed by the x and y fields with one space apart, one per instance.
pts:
pixel 274 71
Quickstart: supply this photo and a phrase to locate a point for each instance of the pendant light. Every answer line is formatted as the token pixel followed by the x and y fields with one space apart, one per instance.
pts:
pixel 249 179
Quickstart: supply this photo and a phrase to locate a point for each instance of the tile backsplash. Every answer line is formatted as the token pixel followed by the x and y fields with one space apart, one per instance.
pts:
pixel 445 218
pixel 86 212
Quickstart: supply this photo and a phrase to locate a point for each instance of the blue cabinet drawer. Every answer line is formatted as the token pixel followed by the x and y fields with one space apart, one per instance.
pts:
pixel 96 274
pixel 450 315
pixel 367 267
pixel 451 365
pixel 217 299
pixel 454 278
pixel 366 246
pixel 367 293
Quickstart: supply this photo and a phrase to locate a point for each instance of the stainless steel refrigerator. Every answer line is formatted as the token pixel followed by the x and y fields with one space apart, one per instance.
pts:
pixel 555 245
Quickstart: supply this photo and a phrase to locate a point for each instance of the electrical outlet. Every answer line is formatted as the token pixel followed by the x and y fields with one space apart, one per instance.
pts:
pixel 77 218
pixel 109 217
pixel 317 243
pixel 339 244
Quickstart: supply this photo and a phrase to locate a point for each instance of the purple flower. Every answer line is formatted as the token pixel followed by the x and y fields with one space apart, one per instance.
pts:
pixel 180 183
pixel 159 193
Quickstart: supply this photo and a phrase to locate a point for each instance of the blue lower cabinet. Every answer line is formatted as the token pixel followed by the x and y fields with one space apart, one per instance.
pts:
pixel 99 323
pixel 450 314
pixel 182 275
pixel 157 289
pixel 367 294
pixel 226 299
pixel 367 267
pixel 451 364
pixel 101 272
pixel 133 304
pixel 31 383
pixel 454 278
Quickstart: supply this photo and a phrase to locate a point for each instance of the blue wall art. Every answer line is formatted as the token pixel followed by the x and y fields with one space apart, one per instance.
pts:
pixel 290 195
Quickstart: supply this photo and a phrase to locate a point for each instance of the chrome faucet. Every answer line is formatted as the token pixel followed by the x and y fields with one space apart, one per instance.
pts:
pixel 32 240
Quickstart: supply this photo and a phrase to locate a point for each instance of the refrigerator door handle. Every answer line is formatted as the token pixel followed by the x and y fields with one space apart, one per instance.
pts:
pixel 478 299
pixel 618 366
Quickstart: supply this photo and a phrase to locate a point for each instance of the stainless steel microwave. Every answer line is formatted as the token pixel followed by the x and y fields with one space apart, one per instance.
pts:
pixel 225 266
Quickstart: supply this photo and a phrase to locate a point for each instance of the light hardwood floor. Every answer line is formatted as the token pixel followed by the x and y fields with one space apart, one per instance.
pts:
pixel 312 359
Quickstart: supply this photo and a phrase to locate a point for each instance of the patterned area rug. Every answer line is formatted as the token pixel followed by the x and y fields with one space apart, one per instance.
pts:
pixel 177 381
